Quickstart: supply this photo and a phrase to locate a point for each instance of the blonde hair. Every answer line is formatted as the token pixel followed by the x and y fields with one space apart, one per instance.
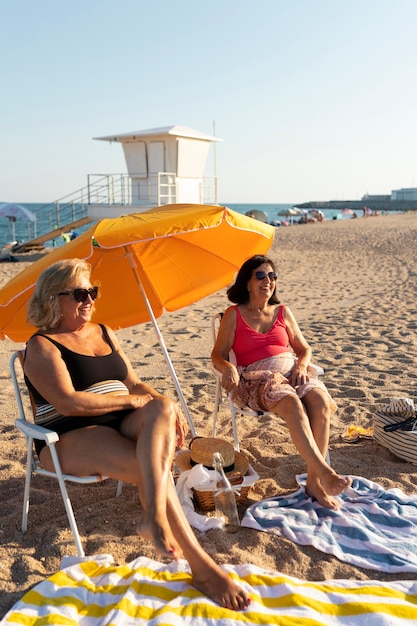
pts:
pixel 43 310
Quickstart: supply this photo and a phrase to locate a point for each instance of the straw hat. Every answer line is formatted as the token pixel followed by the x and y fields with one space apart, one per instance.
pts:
pixel 201 451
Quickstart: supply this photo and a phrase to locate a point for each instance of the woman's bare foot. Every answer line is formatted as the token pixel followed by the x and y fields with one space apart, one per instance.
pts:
pixel 161 537
pixel 334 484
pixel 315 490
pixel 324 489
pixel 219 587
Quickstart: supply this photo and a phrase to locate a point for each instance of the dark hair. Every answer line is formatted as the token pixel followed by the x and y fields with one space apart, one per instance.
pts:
pixel 238 293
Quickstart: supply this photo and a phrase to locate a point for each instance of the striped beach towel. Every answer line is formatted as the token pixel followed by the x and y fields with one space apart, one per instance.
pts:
pixel 374 528
pixel 94 592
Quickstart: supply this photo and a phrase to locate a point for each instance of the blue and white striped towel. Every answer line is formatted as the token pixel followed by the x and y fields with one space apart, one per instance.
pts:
pixel 374 528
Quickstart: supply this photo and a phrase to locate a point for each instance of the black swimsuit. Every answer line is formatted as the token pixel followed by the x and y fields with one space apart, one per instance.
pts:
pixel 85 371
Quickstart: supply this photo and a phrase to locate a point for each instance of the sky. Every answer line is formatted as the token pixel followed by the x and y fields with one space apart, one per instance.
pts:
pixel 314 99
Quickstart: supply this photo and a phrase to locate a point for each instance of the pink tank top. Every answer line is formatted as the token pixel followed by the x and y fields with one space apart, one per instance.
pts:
pixel 250 346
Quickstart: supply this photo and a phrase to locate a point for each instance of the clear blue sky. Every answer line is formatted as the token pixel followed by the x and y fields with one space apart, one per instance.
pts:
pixel 314 99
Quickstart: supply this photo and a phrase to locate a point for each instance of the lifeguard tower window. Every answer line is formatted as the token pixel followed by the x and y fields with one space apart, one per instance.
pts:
pixel 156 157
pixel 135 155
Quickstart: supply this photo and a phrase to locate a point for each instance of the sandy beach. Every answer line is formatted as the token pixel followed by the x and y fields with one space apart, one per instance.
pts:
pixel 351 285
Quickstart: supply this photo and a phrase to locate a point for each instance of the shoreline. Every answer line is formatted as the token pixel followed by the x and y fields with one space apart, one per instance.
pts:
pixel 350 284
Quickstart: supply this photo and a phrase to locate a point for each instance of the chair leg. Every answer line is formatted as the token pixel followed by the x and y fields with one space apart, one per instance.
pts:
pixel 217 401
pixel 28 479
pixel 67 502
pixel 119 488
pixel 234 425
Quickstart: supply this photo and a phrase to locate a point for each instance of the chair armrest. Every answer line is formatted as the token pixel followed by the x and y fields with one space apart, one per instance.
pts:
pixel 216 372
pixel 317 370
pixel 37 432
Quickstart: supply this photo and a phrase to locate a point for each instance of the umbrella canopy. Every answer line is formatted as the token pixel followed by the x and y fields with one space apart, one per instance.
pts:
pixel 180 253
pixel 258 215
pixel 164 258
pixel 290 212
pixel 15 212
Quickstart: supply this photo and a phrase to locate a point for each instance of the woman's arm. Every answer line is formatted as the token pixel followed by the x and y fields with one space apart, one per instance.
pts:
pixel 48 373
pixel 300 347
pixel 222 347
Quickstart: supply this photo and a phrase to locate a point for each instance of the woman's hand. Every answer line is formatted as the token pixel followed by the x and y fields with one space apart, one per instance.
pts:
pixel 182 425
pixel 298 376
pixel 230 380
pixel 139 400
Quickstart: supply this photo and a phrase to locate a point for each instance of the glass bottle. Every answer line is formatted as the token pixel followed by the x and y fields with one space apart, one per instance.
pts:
pixel 224 497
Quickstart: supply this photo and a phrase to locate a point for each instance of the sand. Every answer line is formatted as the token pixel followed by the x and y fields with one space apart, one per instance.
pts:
pixel 351 285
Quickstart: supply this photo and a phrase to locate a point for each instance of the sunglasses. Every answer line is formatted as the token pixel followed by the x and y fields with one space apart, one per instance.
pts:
pixel 261 275
pixel 81 295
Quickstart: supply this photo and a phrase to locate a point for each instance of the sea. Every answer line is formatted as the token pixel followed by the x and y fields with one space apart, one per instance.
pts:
pixel 25 231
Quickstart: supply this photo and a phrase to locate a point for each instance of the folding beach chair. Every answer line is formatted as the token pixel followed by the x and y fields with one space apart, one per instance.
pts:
pixel 33 431
pixel 235 410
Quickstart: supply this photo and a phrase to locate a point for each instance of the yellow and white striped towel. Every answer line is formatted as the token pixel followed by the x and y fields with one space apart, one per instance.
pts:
pixel 94 592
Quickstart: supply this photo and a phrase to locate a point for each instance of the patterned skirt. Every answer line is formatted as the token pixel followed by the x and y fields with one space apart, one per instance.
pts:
pixel 272 374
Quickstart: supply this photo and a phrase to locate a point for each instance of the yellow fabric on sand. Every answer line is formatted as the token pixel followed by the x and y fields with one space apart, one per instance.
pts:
pixel 95 592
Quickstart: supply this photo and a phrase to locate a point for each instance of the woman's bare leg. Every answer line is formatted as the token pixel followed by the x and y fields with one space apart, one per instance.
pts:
pixel 322 481
pixel 317 406
pixel 102 450
pixel 208 577
pixel 155 437
pixel 140 454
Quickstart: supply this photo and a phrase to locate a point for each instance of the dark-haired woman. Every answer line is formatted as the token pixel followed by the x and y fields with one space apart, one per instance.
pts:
pixel 272 371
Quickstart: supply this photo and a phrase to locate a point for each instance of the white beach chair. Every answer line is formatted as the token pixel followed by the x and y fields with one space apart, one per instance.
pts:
pixel 33 431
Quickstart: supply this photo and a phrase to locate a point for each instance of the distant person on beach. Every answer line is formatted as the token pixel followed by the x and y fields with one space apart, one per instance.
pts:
pixel 272 371
pixel 108 420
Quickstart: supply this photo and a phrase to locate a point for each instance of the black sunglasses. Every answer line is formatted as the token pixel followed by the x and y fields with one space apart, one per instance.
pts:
pixel 81 295
pixel 261 275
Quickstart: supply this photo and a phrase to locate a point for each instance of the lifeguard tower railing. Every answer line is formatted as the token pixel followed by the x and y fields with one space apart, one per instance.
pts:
pixel 72 211
pixel 139 190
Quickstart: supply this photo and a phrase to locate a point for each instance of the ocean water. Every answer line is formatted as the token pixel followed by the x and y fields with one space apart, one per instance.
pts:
pixel 24 231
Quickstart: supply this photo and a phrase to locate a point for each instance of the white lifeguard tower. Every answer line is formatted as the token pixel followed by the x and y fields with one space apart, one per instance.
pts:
pixel 164 166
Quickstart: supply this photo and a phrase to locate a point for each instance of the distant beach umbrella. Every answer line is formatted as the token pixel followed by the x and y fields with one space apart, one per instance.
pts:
pixel 15 212
pixel 258 215
pixel 290 212
pixel 162 259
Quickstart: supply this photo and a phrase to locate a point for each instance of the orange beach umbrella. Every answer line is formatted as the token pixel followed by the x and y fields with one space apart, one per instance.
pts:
pixel 164 258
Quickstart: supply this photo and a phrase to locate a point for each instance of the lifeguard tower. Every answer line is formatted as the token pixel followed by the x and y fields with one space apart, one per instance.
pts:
pixel 164 166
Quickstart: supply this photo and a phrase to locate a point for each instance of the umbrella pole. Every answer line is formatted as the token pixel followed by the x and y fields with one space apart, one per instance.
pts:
pixel 165 352
pixel 13 228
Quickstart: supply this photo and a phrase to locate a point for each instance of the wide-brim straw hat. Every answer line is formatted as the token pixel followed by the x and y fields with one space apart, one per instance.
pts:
pixel 202 450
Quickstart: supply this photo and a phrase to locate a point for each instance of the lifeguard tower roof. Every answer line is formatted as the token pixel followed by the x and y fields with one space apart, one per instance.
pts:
pixel 175 131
